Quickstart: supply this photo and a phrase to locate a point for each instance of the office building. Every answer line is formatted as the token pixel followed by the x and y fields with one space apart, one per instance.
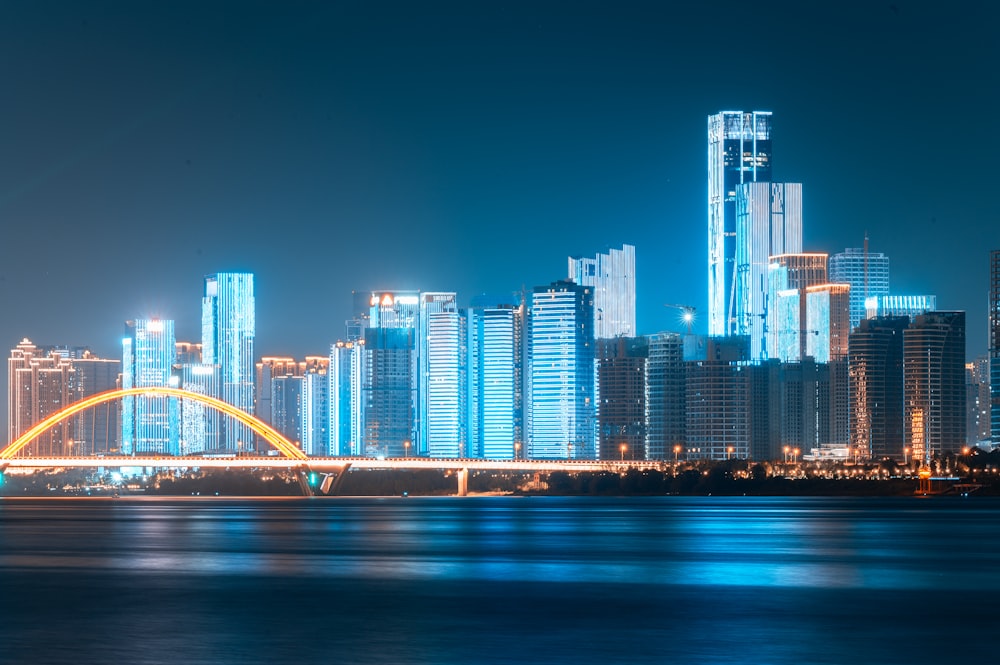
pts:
pixel 315 412
pixel 977 402
pixel 875 376
pixel 496 377
pixel 866 272
pixel 934 384
pixel 994 346
pixel 199 423
pixel 666 434
pixel 228 323
pixel 98 428
pixel 561 356
pixel 894 305
pixel 739 151
pixel 611 278
pixel 149 424
pixel 621 413
pixel 788 277
pixel 443 381
pixel 827 321
pixel 768 223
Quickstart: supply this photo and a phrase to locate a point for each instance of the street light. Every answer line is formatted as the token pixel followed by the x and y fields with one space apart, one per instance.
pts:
pixel 406 448
pixel 786 454
pixel 517 450
pixel 623 449
pixel 906 455
pixel 677 451
pixel 795 454
pixel 729 452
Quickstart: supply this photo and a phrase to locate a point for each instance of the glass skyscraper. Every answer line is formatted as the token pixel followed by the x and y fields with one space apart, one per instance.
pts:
pixel 866 272
pixel 739 151
pixel 611 278
pixel 149 424
pixel 561 352
pixel 495 381
pixel 442 376
pixel 228 325
pixel 768 223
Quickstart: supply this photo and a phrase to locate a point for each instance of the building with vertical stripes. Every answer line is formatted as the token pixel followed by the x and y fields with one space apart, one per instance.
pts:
pixel 866 272
pixel 611 278
pixel 149 424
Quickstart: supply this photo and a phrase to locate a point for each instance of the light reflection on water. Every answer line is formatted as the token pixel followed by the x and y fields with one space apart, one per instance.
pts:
pixel 544 570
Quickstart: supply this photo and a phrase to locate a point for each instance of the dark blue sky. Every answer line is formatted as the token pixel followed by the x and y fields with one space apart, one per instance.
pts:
pixel 467 146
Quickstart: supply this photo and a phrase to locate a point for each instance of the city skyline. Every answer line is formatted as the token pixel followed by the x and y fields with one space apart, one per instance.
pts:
pixel 529 135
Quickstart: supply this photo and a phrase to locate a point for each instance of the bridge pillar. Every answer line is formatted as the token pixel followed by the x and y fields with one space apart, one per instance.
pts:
pixel 302 475
pixel 463 482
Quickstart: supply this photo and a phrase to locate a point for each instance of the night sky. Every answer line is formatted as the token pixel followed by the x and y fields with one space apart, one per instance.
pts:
pixel 467 146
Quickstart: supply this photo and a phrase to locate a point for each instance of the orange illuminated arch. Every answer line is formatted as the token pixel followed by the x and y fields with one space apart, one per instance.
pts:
pixel 283 445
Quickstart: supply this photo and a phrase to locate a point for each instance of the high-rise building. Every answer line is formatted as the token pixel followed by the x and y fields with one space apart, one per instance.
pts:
pixel 97 429
pixel 39 384
pixel 717 410
pixel 389 385
pixel 150 424
pixel 621 414
pixel 561 357
pixel 199 422
pixel 442 387
pixel 495 344
pixel 315 412
pixel 875 376
pixel 893 305
pixel 739 151
pixel 994 342
pixel 866 272
pixel 977 401
pixel 345 374
pixel 827 321
pixel 788 277
pixel 228 324
pixel 611 278
pixel 934 384
pixel 665 396
pixel 768 223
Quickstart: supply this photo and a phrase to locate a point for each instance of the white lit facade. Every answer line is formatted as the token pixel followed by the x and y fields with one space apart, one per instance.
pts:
pixel 739 151
pixel 443 376
pixel 149 424
pixel 890 305
pixel 768 222
pixel 611 278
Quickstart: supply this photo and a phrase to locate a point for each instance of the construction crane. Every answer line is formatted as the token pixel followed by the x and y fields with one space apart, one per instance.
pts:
pixel 687 314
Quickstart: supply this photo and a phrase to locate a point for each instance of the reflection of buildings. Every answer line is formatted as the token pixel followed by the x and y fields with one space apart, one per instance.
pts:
pixel 561 353
pixel 739 151
pixel 149 424
pixel 934 384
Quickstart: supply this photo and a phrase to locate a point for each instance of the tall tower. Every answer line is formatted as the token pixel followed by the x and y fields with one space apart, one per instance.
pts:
pixel 994 319
pixel 228 325
pixel 442 385
pixel 866 272
pixel 768 223
pixel 611 278
pixel 875 375
pixel 934 384
pixel 495 379
pixel 562 372
pixel 739 151
pixel 149 424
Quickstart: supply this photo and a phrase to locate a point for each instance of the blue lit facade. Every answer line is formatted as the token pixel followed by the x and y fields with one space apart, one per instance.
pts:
pixel 893 305
pixel 315 413
pixel 442 376
pixel 344 391
pixel 739 151
pixel 611 278
pixel 495 381
pixel 149 424
pixel 561 351
pixel 228 323
pixel 866 272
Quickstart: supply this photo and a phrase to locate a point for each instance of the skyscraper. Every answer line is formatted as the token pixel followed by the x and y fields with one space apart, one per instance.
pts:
pixel 621 414
pixel 611 278
pixel 875 375
pixel 934 384
pixel 315 412
pixel 866 272
pixel 344 376
pixel 228 325
pixel 149 424
pixel 768 223
pixel 665 397
pixel 561 352
pixel 39 383
pixel 97 429
pixel 994 341
pixel 496 338
pixel 739 151
pixel 442 386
